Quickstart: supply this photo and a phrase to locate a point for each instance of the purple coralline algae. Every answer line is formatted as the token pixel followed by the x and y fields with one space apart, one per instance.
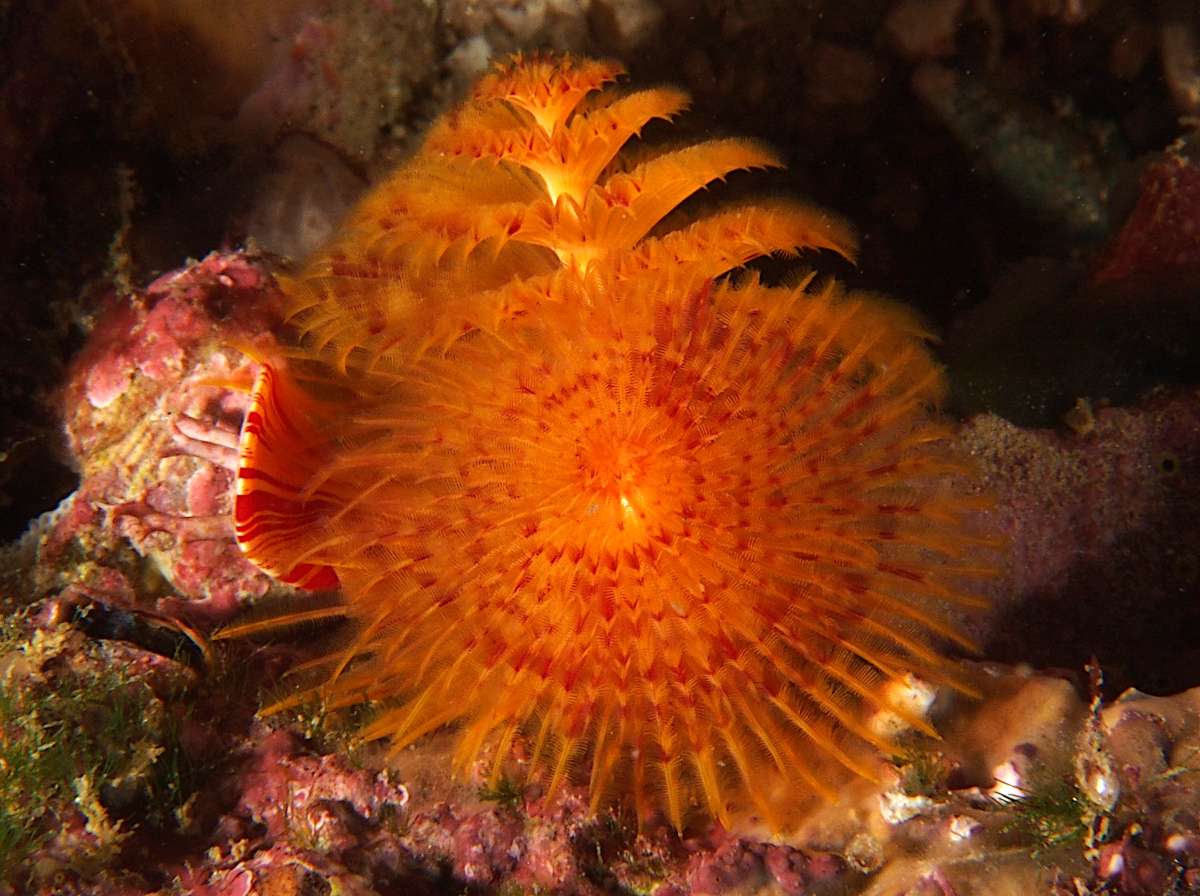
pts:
pixel 152 409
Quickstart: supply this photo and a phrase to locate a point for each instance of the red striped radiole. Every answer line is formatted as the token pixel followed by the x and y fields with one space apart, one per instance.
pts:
pixel 675 532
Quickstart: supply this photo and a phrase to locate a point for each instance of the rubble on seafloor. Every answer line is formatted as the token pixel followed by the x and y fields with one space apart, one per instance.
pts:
pixel 1030 789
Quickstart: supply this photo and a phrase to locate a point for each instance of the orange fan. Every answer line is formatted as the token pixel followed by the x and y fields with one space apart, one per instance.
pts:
pixel 678 533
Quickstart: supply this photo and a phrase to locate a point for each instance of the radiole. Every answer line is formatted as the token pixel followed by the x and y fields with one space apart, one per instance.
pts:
pixel 678 532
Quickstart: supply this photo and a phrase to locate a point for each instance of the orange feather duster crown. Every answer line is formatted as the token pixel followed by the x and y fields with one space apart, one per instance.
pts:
pixel 673 533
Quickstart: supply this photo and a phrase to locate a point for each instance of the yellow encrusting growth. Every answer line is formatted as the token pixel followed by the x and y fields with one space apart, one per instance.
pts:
pixel 676 533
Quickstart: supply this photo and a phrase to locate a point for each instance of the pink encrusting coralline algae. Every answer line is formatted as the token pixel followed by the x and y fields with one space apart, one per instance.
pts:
pixel 152 409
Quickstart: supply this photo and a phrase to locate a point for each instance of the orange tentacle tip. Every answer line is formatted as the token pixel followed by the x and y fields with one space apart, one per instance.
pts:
pixel 682 537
